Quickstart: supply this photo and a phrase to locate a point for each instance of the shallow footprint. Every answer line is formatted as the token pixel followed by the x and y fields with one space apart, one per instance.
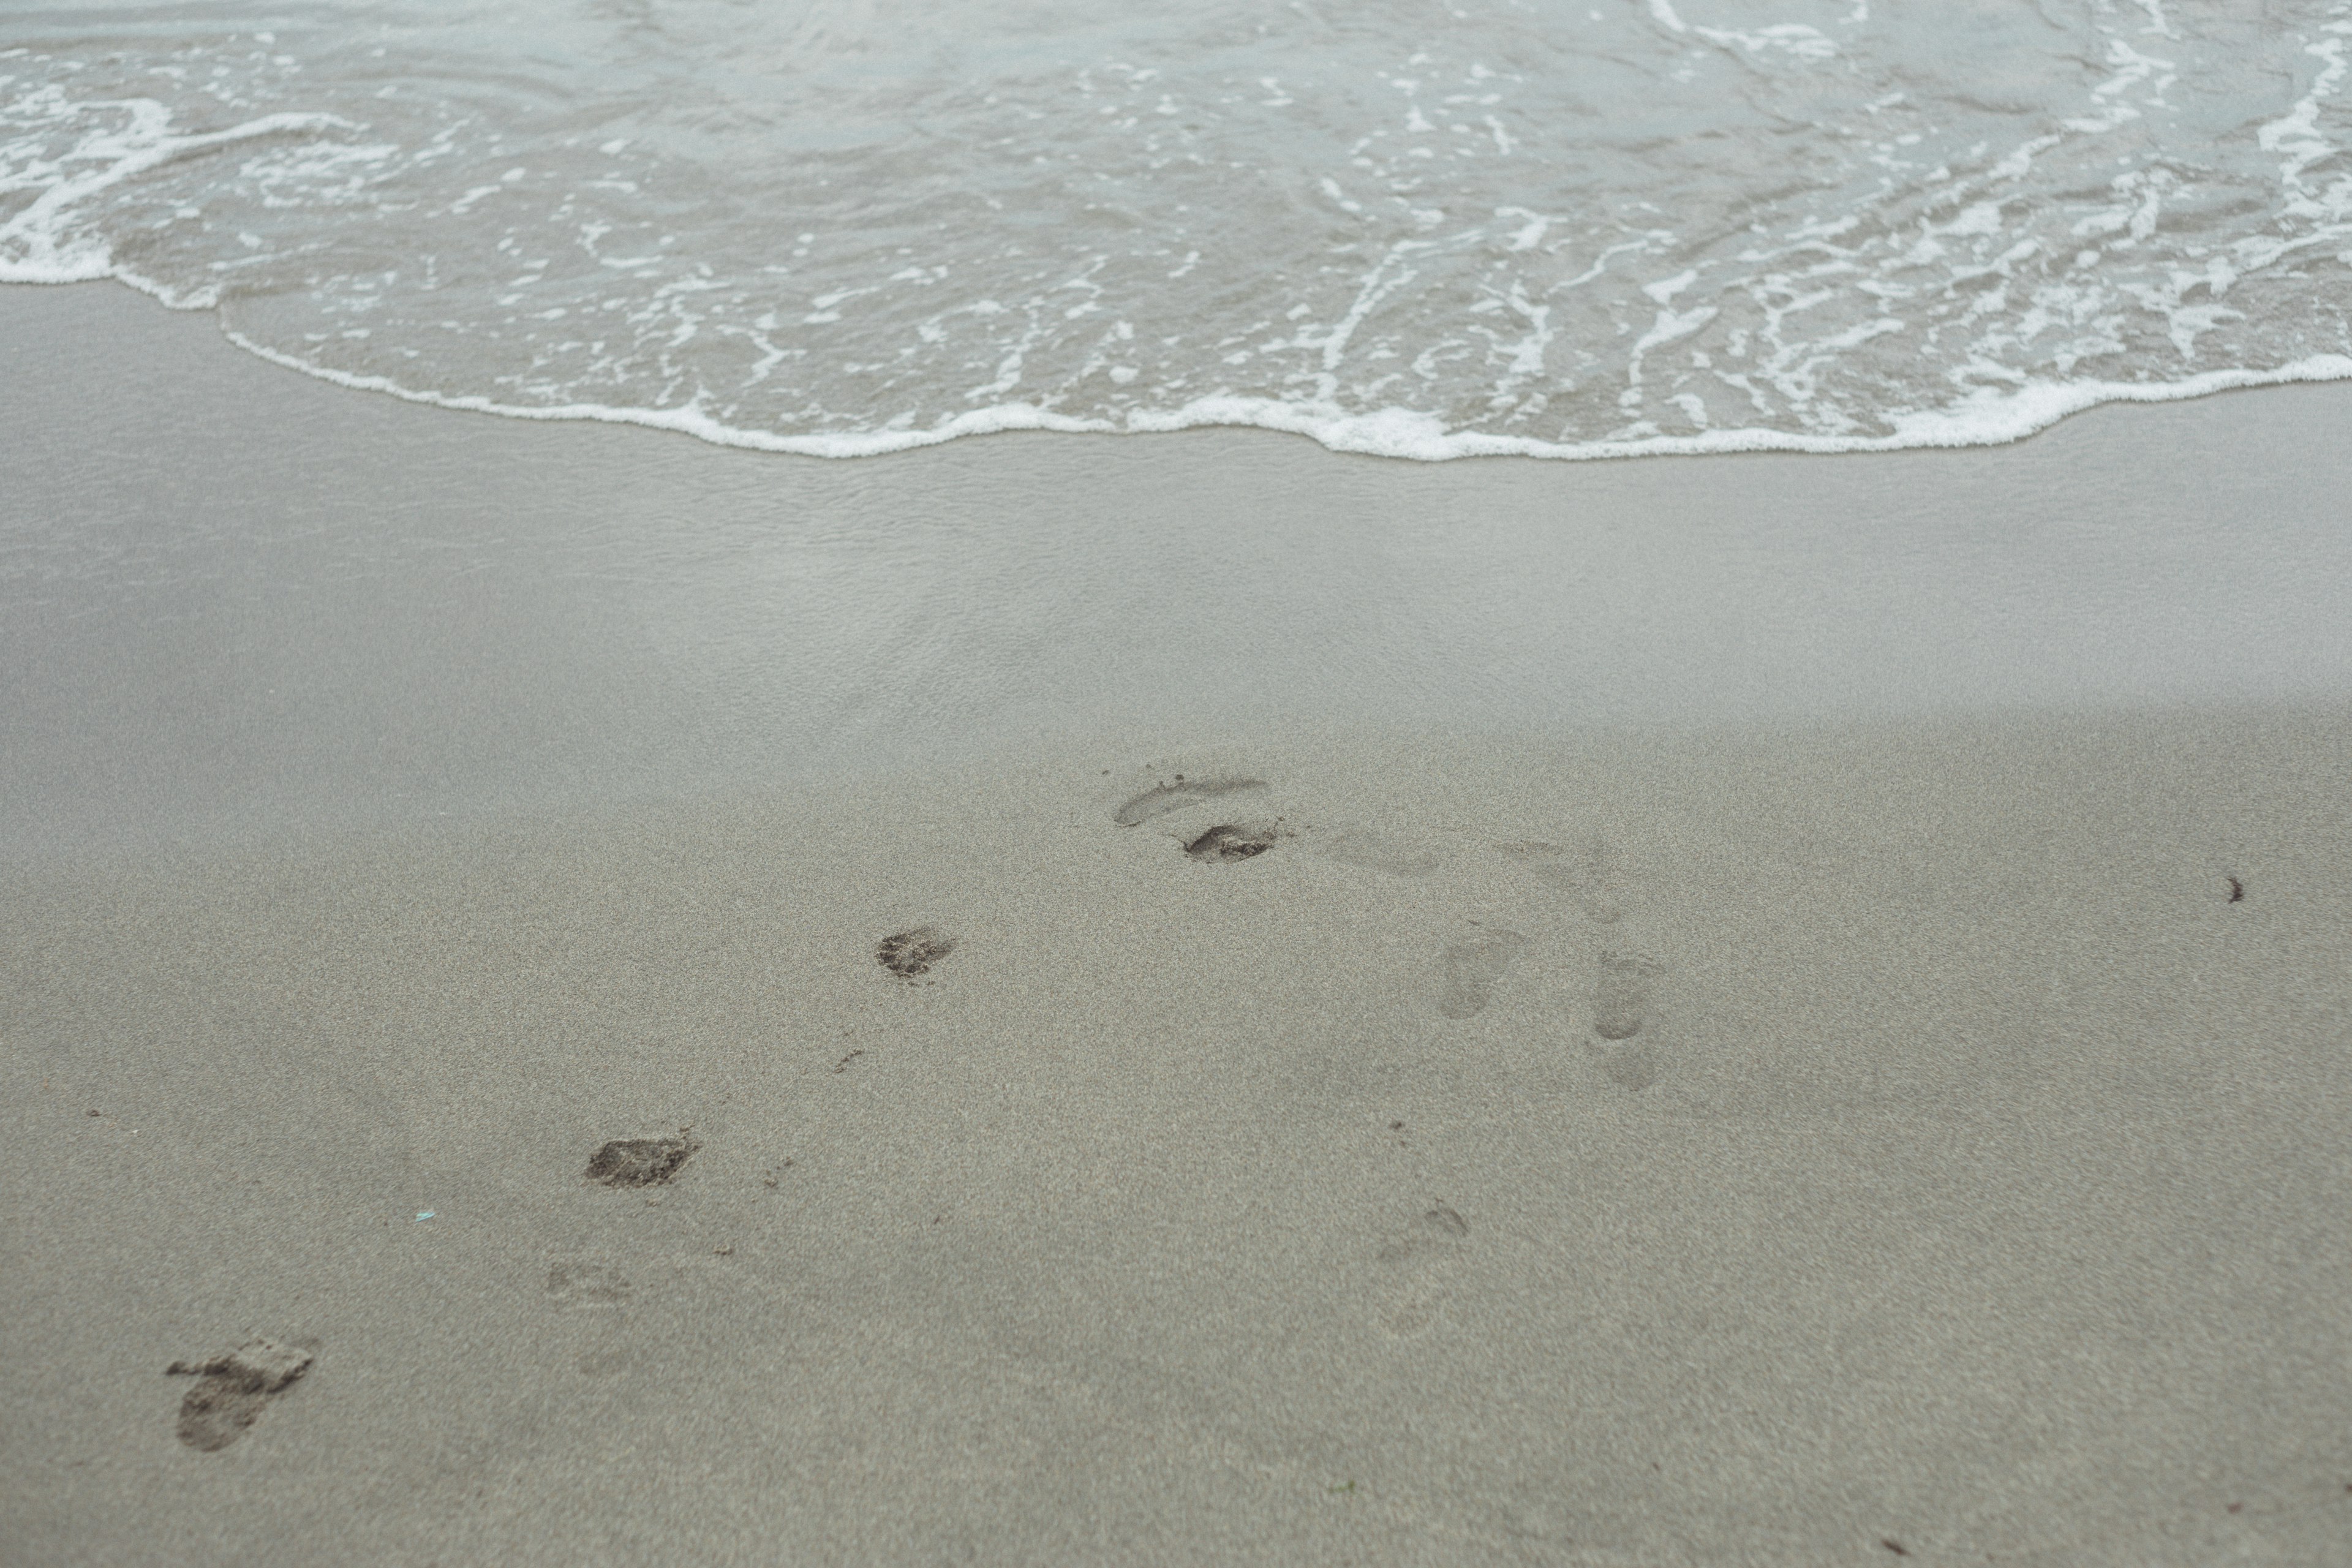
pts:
pixel 1630 1066
pixel 908 954
pixel 232 1390
pixel 1620 1001
pixel 1399 857
pixel 1422 1258
pixel 1231 841
pixel 1620 1007
pixel 640 1161
pixel 604 1362
pixel 1587 873
pixel 1161 799
pixel 1468 970
pixel 582 1284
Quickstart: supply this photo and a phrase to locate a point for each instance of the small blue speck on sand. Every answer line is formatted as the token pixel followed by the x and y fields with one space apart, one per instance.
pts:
pixel 425 1215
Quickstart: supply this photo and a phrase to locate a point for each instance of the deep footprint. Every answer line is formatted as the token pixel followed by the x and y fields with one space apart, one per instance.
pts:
pixel 232 1390
pixel 912 953
pixel 640 1161
pixel 1161 799
pixel 1621 1000
pixel 1232 841
pixel 1469 970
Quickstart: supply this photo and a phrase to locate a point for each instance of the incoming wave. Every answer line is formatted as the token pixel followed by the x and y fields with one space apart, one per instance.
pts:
pixel 1412 231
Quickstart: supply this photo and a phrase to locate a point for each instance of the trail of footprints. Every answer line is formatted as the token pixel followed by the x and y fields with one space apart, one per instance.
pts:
pixel 1468 972
pixel 233 1389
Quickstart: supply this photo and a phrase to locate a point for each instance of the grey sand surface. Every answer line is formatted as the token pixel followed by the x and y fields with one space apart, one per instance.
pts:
pixel 660 972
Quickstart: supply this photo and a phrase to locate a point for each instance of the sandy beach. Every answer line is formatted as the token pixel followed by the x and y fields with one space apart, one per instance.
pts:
pixel 1162 1000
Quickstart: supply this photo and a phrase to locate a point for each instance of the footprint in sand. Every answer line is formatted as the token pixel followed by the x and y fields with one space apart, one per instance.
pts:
pixel 911 952
pixel 1231 841
pixel 1586 873
pixel 1397 854
pixel 605 1362
pixel 1620 1001
pixel 1468 971
pixel 232 1390
pixel 598 1293
pixel 1179 793
pixel 1420 1260
pixel 640 1161
pixel 577 1284
pixel 1633 1066
pixel 1621 1006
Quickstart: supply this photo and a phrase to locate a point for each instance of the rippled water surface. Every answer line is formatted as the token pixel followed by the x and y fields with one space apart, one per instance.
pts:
pixel 1427 228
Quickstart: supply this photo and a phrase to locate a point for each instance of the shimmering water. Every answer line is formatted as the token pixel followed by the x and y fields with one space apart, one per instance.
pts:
pixel 1432 228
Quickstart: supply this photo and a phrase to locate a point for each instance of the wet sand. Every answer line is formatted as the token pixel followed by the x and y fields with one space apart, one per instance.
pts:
pixel 598 1004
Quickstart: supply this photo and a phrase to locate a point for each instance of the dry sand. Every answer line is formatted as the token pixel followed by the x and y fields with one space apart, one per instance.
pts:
pixel 1901 1119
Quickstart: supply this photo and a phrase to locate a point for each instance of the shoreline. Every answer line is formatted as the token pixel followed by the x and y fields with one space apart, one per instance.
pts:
pixel 218 630
pixel 1391 433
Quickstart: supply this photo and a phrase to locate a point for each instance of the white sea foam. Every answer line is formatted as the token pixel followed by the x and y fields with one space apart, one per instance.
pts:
pixel 1677 229
pixel 1990 418
pixel 39 243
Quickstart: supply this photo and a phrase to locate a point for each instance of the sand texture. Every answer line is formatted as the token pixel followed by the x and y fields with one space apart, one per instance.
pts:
pixel 1894 1137
pixel 568 998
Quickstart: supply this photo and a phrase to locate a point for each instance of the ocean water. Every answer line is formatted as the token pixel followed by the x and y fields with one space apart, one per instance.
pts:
pixel 1425 227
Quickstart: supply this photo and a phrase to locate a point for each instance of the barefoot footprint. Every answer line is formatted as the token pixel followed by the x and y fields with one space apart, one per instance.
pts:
pixel 1468 970
pixel 1399 855
pixel 1588 874
pixel 1421 1260
pixel 1161 799
pixel 578 1284
pixel 1621 1006
pixel 232 1390
pixel 1621 1000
